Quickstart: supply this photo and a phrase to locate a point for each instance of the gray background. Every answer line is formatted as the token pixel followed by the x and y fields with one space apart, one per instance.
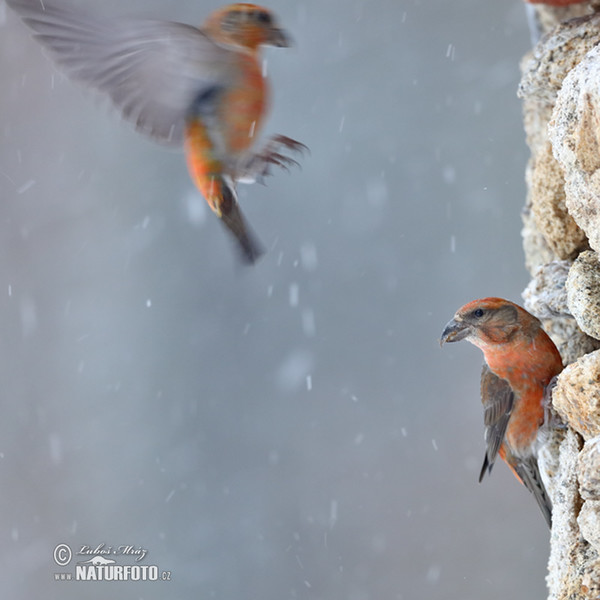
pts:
pixel 291 430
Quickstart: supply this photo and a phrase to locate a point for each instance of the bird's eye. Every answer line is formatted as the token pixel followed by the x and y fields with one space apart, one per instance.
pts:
pixel 263 17
pixel 478 313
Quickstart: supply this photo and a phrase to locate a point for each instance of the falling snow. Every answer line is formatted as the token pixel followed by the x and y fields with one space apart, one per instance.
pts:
pixel 294 295
pixel 26 186
pixel 333 513
pixel 256 419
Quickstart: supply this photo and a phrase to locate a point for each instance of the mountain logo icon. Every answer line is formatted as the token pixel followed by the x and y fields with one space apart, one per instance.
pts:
pixel 98 561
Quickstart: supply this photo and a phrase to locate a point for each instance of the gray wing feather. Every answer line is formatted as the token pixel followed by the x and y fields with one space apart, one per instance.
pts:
pixel 529 473
pixel 153 71
pixel 497 398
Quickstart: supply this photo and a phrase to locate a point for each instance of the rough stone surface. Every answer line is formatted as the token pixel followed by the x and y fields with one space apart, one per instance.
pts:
pixel 550 232
pixel 576 396
pixel 557 53
pixel 588 470
pixel 571 342
pixel 572 345
pixel 551 440
pixel 590 581
pixel 537 252
pixel 548 207
pixel 546 296
pixel 589 523
pixel 536 116
pixel 549 16
pixel 561 103
pixel 583 292
pixel 575 135
pixel 569 553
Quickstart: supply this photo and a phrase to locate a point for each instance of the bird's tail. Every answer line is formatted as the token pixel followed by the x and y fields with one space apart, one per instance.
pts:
pixel 529 473
pixel 248 244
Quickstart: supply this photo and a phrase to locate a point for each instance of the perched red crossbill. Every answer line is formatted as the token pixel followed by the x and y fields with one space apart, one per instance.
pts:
pixel 520 362
pixel 203 89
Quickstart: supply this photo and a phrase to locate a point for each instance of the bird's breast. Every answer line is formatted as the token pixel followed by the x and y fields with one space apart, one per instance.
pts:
pixel 244 105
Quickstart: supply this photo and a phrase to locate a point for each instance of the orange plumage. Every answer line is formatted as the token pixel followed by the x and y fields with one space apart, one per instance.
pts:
pixel 520 362
pixel 202 88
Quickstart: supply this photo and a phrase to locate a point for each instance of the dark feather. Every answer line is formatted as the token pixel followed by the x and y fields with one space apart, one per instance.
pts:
pixel 497 398
pixel 153 71
pixel 250 248
pixel 529 473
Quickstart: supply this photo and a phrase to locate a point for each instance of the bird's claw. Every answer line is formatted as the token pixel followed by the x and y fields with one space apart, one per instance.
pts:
pixel 258 166
pixel 287 142
pixel 552 419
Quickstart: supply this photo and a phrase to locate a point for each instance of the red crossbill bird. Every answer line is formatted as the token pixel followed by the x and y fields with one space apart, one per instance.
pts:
pixel 520 362
pixel 200 88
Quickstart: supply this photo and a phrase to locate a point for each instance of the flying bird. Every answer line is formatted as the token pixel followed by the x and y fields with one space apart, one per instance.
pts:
pixel 202 89
pixel 520 362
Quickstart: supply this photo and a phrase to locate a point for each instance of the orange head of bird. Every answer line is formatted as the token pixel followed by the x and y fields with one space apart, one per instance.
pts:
pixel 489 321
pixel 247 26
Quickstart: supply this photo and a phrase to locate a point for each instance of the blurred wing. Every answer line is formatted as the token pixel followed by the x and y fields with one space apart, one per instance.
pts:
pixel 497 398
pixel 152 70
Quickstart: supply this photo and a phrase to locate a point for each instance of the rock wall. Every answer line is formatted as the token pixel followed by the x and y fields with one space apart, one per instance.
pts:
pixel 560 89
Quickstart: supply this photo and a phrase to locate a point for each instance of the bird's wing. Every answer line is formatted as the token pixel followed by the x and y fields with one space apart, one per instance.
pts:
pixel 497 398
pixel 153 71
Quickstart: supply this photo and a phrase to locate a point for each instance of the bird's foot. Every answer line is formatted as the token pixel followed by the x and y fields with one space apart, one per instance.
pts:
pixel 552 419
pixel 259 165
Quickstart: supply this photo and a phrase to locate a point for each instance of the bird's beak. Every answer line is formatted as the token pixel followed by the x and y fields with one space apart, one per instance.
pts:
pixel 454 331
pixel 279 38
